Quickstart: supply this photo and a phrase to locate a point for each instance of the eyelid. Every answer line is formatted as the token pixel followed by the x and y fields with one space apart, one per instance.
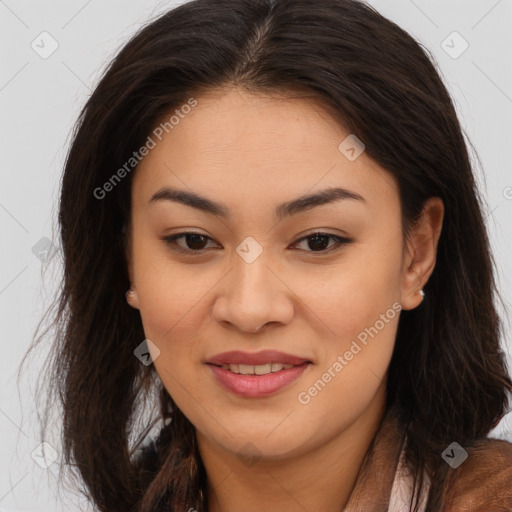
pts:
pixel 340 241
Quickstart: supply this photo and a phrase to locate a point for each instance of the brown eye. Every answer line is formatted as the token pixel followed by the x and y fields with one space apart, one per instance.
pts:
pixel 193 242
pixel 319 242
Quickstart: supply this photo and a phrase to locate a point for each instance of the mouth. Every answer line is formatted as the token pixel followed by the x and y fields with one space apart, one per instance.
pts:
pixel 257 374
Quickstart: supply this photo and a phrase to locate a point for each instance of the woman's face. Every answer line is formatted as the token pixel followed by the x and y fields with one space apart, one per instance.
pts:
pixel 256 282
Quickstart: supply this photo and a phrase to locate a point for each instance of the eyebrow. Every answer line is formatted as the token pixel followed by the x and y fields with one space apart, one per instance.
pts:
pixel 286 209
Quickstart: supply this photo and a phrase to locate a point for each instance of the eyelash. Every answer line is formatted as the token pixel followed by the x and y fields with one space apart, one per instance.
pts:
pixel 170 240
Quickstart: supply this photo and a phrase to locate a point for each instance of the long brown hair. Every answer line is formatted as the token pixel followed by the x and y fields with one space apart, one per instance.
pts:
pixel 448 375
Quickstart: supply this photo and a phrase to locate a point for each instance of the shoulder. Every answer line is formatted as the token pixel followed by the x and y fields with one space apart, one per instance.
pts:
pixel 483 482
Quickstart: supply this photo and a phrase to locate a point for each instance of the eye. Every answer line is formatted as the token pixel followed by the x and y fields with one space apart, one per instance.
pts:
pixel 195 242
pixel 319 241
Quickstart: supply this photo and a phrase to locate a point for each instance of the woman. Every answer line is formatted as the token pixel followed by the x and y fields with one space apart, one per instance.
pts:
pixel 284 189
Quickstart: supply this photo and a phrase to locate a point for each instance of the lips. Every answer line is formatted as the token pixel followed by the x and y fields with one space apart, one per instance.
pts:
pixel 256 358
pixel 257 386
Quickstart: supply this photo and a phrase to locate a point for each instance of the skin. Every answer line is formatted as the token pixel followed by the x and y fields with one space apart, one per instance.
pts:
pixel 251 153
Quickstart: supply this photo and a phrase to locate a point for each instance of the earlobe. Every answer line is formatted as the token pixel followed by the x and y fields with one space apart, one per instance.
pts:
pixel 132 299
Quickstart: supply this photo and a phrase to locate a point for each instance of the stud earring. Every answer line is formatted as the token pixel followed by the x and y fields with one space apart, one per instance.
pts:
pixel 422 293
pixel 128 293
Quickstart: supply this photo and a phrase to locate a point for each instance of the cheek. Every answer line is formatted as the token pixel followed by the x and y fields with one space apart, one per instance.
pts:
pixel 352 295
pixel 170 320
pixel 164 308
pixel 352 369
pixel 359 308
pixel 166 293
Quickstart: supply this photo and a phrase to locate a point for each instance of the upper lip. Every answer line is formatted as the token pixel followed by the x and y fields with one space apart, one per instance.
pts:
pixel 254 358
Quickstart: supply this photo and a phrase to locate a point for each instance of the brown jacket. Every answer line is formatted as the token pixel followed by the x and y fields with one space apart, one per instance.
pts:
pixel 482 483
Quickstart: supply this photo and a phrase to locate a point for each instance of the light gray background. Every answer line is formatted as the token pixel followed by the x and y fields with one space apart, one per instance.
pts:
pixel 40 100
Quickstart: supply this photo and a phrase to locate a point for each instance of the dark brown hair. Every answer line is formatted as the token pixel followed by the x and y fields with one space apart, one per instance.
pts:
pixel 447 375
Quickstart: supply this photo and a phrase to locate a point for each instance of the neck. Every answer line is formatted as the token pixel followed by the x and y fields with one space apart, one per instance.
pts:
pixel 320 479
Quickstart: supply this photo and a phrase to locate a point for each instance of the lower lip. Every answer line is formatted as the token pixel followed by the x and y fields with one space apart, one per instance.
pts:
pixel 257 385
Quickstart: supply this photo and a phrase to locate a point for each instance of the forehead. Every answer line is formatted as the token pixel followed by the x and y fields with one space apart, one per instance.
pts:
pixel 234 146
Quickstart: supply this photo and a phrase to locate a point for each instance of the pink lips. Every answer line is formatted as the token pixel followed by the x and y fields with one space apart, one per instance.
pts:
pixel 257 385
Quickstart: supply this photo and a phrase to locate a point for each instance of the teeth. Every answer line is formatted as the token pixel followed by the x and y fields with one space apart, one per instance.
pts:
pixel 263 369
pixel 246 369
pixel 258 369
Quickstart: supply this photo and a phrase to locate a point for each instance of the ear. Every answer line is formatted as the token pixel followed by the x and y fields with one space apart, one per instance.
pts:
pixel 131 294
pixel 421 252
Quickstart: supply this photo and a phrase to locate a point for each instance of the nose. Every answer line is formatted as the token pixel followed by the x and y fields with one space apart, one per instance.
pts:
pixel 252 297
